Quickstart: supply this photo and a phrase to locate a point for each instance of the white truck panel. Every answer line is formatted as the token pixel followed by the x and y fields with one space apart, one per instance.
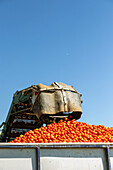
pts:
pixel 16 164
pixel 56 156
pixel 73 159
pixel 17 159
pixel 111 158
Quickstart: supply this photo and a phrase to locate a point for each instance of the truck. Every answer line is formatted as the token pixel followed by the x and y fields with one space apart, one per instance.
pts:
pixel 59 156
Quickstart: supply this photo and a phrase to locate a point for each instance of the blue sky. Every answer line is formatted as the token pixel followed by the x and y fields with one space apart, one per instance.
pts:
pixel 67 41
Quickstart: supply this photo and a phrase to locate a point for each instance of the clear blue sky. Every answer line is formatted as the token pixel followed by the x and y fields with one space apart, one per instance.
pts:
pixel 70 41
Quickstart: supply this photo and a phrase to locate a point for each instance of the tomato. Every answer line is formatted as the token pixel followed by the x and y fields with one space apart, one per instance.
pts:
pixel 67 131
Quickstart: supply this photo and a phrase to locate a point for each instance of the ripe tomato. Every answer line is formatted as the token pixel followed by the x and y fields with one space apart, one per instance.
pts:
pixel 67 131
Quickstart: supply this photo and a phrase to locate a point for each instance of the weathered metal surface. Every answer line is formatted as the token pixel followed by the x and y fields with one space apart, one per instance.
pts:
pixel 17 159
pixel 43 104
pixel 56 98
pixel 57 156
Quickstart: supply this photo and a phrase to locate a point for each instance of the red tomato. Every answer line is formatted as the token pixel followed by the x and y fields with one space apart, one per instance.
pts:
pixel 67 131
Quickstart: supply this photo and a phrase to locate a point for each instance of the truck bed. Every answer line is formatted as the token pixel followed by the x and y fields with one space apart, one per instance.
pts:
pixel 58 156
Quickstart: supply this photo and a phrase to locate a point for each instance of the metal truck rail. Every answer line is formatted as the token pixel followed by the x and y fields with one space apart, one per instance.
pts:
pixel 68 156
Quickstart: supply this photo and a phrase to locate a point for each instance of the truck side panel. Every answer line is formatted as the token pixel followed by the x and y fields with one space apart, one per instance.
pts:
pixel 17 159
pixel 73 159
pixel 56 156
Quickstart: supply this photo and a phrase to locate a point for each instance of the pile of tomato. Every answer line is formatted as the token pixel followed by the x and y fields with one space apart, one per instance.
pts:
pixel 66 132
